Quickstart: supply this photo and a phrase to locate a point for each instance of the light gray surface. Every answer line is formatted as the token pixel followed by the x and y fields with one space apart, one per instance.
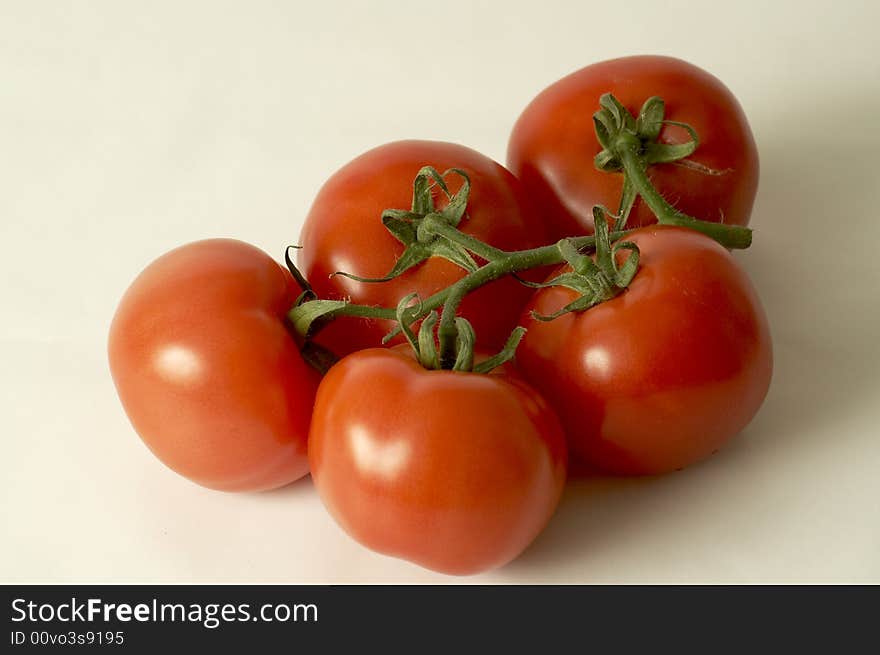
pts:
pixel 129 128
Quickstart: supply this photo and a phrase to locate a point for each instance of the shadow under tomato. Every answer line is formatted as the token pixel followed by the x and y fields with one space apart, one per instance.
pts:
pixel 594 513
pixel 296 489
pixel 603 524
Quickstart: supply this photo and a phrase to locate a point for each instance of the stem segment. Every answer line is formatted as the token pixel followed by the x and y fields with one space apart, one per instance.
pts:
pixel 730 236
pixel 630 145
pixel 450 233
pixel 315 312
pixel 511 262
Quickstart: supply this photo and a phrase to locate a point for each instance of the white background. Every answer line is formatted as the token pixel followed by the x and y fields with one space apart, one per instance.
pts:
pixel 129 128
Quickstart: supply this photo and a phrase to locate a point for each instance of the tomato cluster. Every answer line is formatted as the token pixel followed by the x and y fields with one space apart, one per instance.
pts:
pixel 645 346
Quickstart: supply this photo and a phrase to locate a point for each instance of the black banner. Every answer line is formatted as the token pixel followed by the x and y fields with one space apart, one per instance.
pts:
pixel 402 618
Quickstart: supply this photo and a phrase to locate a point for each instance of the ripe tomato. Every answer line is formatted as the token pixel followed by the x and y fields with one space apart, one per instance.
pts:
pixel 662 375
pixel 554 141
pixel 344 232
pixel 206 370
pixel 455 471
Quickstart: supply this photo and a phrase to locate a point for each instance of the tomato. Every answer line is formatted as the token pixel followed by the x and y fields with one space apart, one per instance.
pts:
pixel 344 232
pixel 663 374
pixel 553 144
pixel 207 371
pixel 455 471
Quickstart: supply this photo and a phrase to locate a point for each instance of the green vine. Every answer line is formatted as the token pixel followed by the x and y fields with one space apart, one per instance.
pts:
pixel 596 271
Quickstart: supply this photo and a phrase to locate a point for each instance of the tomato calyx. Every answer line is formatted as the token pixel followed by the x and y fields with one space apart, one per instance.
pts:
pixel 461 355
pixel 413 227
pixel 616 128
pixel 595 280
pixel 629 145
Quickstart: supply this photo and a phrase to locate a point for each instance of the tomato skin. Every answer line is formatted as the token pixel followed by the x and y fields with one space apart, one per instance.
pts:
pixel 553 144
pixel 662 375
pixel 344 232
pixel 206 370
pixel 457 472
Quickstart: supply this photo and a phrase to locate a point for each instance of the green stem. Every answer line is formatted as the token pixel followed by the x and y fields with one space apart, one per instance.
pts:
pixel 635 168
pixel 628 197
pixel 511 262
pixel 453 234
pixel 366 311
pixel 302 316
pixel 447 332
pixel 504 263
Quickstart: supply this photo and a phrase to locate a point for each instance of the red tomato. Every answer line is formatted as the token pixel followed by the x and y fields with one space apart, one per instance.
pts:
pixel 553 144
pixel 662 375
pixel 206 370
pixel 344 232
pixel 455 471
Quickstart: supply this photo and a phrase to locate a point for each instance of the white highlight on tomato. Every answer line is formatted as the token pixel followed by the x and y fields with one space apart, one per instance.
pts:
pixel 178 364
pixel 381 459
pixel 596 361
